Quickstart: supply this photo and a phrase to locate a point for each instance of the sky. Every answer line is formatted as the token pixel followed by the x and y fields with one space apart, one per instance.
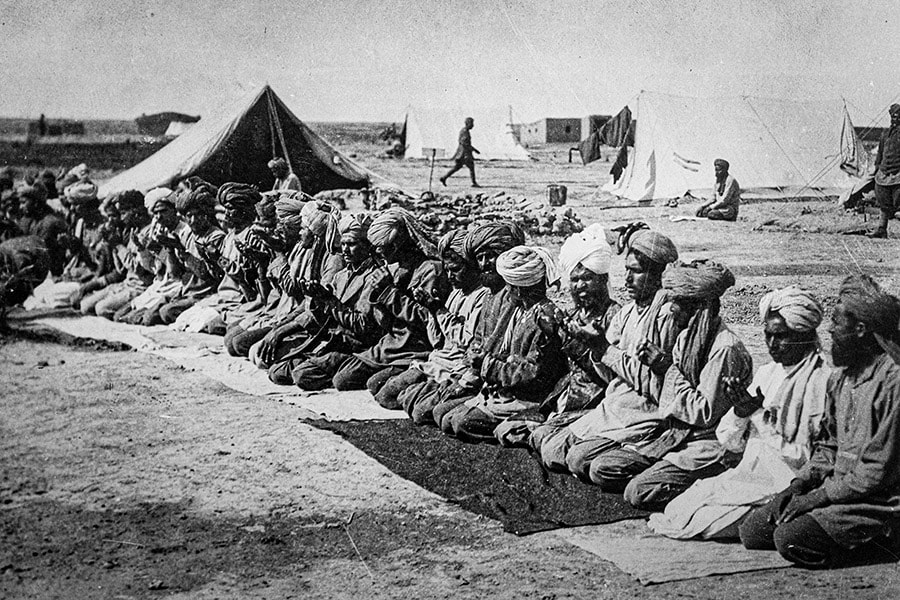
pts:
pixel 366 60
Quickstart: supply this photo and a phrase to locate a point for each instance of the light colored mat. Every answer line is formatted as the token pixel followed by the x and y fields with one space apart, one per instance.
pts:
pixel 206 354
pixel 652 558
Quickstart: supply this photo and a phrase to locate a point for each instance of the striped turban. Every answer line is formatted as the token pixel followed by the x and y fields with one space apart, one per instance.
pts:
pixel 356 226
pixel 321 218
pixel 200 197
pixel 588 248
pixel 157 196
pixel 392 220
pixel 655 246
pixel 701 280
pixel 238 196
pixel 524 266
pixel 453 241
pixel 82 192
pixel 798 307
pixel 288 212
pixel 498 236
pixel 863 298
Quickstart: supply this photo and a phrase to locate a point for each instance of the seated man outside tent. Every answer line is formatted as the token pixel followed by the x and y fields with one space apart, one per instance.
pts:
pixel 344 319
pixel 451 328
pixel 209 314
pixel 38 219
pixel 521 362
pixel 726 196
pixel 403 307
pixel 584 259
pixel 482 246
pixel 285 179
pixel 638 348
pixel 772 425
pixel 847 497
pixel 887 173
pixel 126 278
pixel 465 153
pixel 199 257
pixel 683 448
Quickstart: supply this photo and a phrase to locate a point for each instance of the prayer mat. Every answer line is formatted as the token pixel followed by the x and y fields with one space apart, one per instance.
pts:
pixel 505 484
pixel 652 558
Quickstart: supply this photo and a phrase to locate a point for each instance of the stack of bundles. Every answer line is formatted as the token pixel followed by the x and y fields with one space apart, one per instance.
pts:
pixel 442 213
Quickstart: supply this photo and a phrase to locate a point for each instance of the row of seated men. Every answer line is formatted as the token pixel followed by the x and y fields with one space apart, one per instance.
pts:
pixel 656 399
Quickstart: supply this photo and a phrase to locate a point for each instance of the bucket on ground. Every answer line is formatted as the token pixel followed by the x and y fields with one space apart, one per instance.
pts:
pixel 556 194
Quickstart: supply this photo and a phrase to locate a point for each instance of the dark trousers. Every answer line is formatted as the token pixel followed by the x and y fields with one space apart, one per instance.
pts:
pixel 170 311
pixel 801 541
pixel 388 395
pixel 888 198
pixel 238 340
pixel 459 164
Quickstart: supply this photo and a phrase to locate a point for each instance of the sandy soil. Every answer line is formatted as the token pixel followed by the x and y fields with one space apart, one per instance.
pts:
pixel 123 476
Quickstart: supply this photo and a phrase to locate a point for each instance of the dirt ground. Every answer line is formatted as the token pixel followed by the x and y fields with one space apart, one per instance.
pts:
pixel 124 476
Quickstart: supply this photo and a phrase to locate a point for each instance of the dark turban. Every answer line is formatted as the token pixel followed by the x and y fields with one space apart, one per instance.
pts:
pixel 865 301
pixel 129 200
pixel 356 226
pixel 702 280
pixel 894 109
pixel 392 220
pixel 265 208
pixel 239 196
pixel 721 162
pixel 498 236
pixel 453 241
pixel 200 197
pixel 655 246
pixel 35 191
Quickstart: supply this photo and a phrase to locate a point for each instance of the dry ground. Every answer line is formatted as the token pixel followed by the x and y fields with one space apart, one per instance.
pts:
pixel 123 476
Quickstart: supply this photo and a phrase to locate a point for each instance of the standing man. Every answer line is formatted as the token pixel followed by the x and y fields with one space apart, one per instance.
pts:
pixel 465 153
pixel 887 173
pixel 726 196
pixel 285 179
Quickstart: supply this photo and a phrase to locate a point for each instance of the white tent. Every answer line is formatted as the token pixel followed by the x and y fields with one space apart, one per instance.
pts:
pixel 176 128
pixel 776 148
pixel 429 129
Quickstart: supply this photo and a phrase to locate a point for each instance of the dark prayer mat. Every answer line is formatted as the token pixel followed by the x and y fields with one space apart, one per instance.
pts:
pixel 506 484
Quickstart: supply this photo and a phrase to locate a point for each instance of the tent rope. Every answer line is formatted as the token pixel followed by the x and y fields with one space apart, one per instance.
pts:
pixel 276 123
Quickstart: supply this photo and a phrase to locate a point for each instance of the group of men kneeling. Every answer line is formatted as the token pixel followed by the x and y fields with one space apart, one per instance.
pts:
pixel 656 398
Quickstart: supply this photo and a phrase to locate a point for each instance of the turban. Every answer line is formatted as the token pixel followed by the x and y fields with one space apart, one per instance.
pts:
pixel 158 195
pixel 356 226
pixel 453 241
pixel 78 173
pixel 129 200
pixel 199 197
pixel 702 280
pixel 498 236
pixel 265 208
pixel 238 196
pixel 798 307
pixel 81 192
pixel 321 218
pixel 655 246
pixel 35 191
pixel 288 212
pixel 588 248
pixel 863 298
pixel 524 266
pixel 894 109
pixel 392 220
pixel 278 163
pixel 721 162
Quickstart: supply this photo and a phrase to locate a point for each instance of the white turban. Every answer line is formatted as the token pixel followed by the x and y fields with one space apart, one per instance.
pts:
pixel 156 195
pixel 798 307
pixel 588 248
pixel 524 266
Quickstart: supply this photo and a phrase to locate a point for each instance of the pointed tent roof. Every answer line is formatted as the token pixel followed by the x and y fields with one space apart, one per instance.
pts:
pixel 236 143
pixel 776 148
pixel 493 135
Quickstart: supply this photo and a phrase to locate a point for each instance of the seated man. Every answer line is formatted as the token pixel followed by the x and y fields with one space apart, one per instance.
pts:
pixel 848 494
pixel 482 246
pixel 404 303
pixel 584 258
pixel 773 425
pixel 637 349
pixel 726 196
pixel 520 363
pixel 343 320
pixel 452 326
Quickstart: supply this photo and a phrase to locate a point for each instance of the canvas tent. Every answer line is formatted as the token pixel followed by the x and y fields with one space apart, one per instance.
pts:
pixel 176 128
pixel 236 143
pixel 776 148
pixel 427 129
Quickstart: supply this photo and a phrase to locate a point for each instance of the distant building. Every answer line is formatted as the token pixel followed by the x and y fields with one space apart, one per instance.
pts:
pixel 550 131
pixel 157 124
pixel 592 123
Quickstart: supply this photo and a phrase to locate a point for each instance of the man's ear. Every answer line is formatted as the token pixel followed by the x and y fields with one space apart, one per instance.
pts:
pixel 860 329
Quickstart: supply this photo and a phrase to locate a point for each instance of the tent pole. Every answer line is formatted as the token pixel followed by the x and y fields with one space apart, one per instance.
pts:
pixel 431 173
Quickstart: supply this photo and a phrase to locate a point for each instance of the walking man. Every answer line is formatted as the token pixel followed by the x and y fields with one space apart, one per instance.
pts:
pixel 465 153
